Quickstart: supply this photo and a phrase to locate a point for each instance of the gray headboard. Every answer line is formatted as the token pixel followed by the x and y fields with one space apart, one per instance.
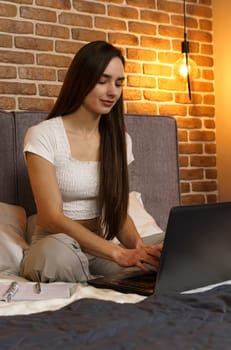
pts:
pixel 154 172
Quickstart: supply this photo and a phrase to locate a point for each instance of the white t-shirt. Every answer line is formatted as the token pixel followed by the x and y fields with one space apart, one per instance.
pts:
pixel 78 180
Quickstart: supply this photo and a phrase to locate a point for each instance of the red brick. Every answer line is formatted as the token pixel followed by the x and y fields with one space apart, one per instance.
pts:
pixel 191 174
pixel 183 161
pixel 211 198
pixel 36 73
pixel 16 88
pixel 52 31
pixel 141 108
pixel 210 148
pixel 185 187
pixel 208 111
pixel 189 123
pixel 204 186
pixel 203 161
pixel 17 57
pixel 72 19
pixel 57 4
pixel 53 60
pixel 158 43
pixel 48 90
pixel 209 123
pixel 89 7
pixel 123 39
pixel 205 24
pixel 199 10
pixel 8 72
pixel 17 27
pixel 182 135
pixel 190 148
pixel 141 3
pixel 87 35
pixel 66 47
pixel 110 24
pixel 169 6
pixel 157 96
pixel 7 10
pixel 201 135
pixel 6 41
pixel 168 109
pixel 141 81
pixel 123 12
pixel 35 104
pixel 142 28
pixel 211 173
pixel 141 54
pixel 132 94
pixel 7 103
pixel 207 49
pixel 209 99
pixel 193 199
pixel 170 31
pixel 133 67
pixel 155 16
pixel 38 14
pixel 33 43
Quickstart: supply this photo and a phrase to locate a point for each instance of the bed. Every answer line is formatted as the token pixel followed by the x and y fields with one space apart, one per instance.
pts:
pixel 92 318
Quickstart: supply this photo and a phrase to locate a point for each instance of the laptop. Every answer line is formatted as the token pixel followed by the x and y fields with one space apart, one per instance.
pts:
pixel 196 253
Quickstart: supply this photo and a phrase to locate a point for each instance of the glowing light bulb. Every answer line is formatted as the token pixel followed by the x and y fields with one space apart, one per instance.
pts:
pixel 181 70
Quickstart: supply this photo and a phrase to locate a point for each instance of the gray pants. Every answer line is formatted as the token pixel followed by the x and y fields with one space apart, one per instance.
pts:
pixel 58 257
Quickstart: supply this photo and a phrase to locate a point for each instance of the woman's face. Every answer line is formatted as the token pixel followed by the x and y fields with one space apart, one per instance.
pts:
pixel 107 91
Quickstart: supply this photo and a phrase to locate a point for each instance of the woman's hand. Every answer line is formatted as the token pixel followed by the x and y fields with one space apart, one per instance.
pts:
pixel 139 256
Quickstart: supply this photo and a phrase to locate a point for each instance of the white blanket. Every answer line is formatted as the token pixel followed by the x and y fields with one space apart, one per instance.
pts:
pixel 78 291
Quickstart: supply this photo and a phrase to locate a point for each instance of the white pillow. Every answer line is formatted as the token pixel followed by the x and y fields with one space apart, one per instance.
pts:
pixel 12 237
pixel 144 222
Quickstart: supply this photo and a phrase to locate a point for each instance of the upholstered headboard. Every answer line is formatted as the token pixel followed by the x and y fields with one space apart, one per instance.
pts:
pixel 154 173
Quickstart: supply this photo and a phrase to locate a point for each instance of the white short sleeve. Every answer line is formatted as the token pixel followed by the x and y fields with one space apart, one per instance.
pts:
pixel 130 156
pixel 39 140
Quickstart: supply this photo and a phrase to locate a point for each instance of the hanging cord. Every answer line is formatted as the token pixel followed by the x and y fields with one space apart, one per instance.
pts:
pixel 185 49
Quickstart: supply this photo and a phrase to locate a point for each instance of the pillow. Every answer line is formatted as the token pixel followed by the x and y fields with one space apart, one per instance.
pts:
pixel 12 242
pixel 144 222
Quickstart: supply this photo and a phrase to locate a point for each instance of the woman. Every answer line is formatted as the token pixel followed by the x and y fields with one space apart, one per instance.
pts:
pixel 77 164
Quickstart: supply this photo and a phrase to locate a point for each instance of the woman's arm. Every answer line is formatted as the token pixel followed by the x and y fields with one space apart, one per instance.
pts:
pixel 129 235
pixel 50 208
pixel 50 216
pixel 131 239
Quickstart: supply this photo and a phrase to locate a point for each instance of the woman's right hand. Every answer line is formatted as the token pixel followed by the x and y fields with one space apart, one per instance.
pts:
pixel 139 256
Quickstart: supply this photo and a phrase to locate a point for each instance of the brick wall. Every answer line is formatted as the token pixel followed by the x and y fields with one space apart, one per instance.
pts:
pixel 38 39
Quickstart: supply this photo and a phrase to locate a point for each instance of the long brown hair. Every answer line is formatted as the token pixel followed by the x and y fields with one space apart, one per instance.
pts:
pixel 83 74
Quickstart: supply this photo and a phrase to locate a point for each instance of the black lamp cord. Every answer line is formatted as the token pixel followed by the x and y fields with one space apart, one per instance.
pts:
pixel 185 49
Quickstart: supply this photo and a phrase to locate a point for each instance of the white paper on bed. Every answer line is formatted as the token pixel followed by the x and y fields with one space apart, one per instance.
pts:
pixel 28 291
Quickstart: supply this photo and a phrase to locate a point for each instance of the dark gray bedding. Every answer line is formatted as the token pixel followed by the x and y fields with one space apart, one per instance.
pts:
pixel 179 322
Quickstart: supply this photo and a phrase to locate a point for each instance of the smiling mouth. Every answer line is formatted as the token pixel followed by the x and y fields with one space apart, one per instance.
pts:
pixel 107 103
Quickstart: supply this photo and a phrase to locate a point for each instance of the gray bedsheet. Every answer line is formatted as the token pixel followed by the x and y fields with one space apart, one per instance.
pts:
pixel 179 322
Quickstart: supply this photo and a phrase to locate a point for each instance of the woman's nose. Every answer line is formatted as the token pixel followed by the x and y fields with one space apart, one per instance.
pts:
pixel 112 89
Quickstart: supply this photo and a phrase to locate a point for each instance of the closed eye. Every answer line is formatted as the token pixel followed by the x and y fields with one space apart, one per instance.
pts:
pixel 105 78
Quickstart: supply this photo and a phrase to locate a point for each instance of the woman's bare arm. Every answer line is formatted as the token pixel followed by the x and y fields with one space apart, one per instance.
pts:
pixel 50 216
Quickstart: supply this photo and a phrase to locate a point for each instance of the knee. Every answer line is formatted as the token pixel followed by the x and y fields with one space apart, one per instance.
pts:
pixel 56 258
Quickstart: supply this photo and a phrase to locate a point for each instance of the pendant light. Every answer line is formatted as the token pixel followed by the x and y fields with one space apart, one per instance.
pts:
pixel 185 68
